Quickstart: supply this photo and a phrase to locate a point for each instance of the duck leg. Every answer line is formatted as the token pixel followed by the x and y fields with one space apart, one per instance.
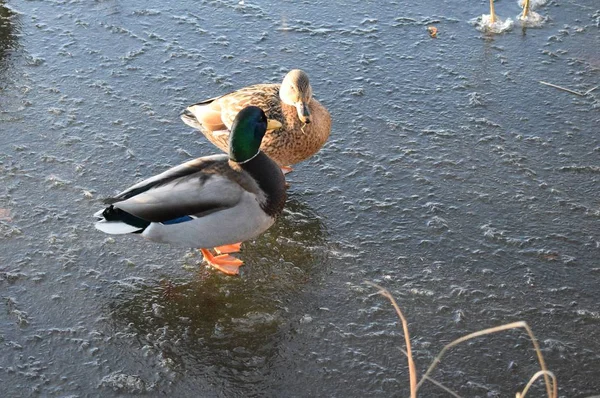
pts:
pixel 286 169
pixel 226 249
pixel 492 12
pixel 525 10
pixel 224 262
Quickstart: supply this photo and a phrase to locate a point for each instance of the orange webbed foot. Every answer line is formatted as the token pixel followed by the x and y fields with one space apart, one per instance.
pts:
pixel 226 249
pixel 224 262
pixel 286 169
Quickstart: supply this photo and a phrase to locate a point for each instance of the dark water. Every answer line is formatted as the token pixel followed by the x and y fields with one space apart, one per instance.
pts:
pixel 452 177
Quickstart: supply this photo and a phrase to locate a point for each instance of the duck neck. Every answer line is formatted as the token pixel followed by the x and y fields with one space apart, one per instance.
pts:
pixel 270 180
pixel 289 112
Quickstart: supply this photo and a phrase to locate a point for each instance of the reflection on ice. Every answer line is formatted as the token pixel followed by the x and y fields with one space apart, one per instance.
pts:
pixel 228 328
pixel 7 36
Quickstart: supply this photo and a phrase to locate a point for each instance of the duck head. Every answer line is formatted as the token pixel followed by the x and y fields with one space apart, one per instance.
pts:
pixel 296 91
pixel 247 132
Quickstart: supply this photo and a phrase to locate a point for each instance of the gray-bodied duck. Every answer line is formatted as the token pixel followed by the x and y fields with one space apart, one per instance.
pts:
pixel 298 124
pixel 215 201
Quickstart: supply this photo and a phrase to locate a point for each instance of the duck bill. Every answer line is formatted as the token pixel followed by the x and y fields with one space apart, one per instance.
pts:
pixel 273 124
pixel 303 112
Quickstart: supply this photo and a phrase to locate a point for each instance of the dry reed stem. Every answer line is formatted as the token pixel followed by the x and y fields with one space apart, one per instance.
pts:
pixel 586 93
pixel 437 383
pixel 412 370
pixel 551 388
pixel 564 89
pixel 534 378
pixel 496 329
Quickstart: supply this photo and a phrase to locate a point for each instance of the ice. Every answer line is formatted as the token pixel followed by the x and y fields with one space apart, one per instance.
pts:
pixel 484 24
pixel 532 20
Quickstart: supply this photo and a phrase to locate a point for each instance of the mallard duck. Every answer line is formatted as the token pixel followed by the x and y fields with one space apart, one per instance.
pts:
pixel 298 124
pixel 209 202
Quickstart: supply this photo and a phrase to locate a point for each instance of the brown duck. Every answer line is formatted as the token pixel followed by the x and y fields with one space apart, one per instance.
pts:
pixel 298 124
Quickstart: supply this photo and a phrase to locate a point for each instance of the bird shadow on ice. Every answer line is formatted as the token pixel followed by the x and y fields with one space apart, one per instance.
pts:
pixel 8 35
pixel 223 326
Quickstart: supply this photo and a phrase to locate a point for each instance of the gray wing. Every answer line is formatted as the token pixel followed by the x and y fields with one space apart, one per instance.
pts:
pixel 185 169
pixel 195 188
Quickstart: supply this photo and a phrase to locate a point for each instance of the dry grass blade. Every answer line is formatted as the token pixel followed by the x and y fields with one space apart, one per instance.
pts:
pixel 551 385
pixel 412 370
pixel 534 378
pixel 586 93
pixel 564 89
pixel 514 325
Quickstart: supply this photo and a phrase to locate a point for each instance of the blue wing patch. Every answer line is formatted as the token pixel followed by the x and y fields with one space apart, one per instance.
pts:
pixel 178 220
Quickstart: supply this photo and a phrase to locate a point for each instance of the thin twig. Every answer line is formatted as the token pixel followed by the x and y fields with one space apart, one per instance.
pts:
pixel 496 329
pixel 563 88
pixel 412 370
pixel 590 90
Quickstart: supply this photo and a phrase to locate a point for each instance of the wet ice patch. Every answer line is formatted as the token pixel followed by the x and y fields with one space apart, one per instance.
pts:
pixel 484 24
pixel 254 320
pixel 122 382
pixel 438 223
pixel 56 181
pixel 8 231
pixel 532 20
pixel 21 317
pixel 475 99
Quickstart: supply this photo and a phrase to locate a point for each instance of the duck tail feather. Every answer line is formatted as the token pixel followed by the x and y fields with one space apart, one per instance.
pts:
pixel 115 221
pixel 188 118
pixel 204 116
pixel 116 227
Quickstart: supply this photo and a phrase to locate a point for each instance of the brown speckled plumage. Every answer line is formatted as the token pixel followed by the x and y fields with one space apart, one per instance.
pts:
pixel 294 142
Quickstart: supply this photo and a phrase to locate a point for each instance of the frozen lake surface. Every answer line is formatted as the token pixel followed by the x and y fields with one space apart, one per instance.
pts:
pixel 452 177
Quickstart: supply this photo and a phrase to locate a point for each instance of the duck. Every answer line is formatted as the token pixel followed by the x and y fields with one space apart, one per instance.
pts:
pixel 298 124
pixel 212 202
